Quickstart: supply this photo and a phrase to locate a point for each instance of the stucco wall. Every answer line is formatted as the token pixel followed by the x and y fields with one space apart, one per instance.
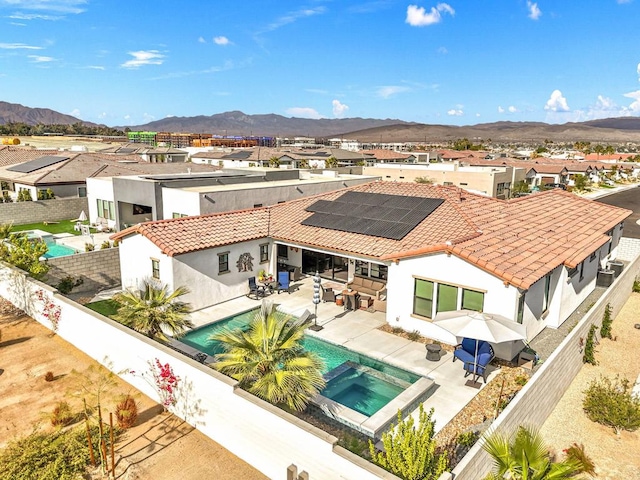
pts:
pixel 56 210
pixel 136 253
pixel 255 431
pixel 540 395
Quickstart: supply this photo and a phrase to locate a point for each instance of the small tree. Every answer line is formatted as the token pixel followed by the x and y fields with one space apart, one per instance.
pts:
pixel 410 452
pixel 519 188
pixel 605 329
pixel 611 403
pixel 274 162
pixel 25 254
pixel 331 162
pixel 580 182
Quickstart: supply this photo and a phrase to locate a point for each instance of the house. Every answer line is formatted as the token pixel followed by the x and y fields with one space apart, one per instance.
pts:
pixel 533 259
pixel 125 200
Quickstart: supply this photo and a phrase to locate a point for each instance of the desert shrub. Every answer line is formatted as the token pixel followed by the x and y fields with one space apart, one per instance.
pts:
pixel 611 403
pixel 106 244
pixel 521 380
pixel 89 247
pixel 467 439
pixel 126 412
pixel 605 328
pixel 636 286
pixel 48 377
pixel 61 415
pixel 577 454
pixel 68 283
pixel 589 347
pixel 414 336
pixel 61 455
pixel 410 452
pixel 397 330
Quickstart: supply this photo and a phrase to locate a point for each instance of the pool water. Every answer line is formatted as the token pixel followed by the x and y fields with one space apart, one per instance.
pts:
pixel 354 380
pixel 55 250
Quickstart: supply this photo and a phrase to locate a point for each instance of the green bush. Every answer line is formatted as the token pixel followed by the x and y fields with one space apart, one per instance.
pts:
pixel 611 403
pixel 89 247
pixel 61 455
pixel 409 452
pixel 467 439
pixel 636 286
pixel 68 283
pixel 605 329
pixel 589 347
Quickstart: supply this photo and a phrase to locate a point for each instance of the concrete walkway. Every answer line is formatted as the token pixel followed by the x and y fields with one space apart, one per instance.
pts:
pixel 359 331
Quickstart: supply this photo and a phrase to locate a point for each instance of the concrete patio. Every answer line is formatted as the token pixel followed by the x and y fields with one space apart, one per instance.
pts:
pixel 359 331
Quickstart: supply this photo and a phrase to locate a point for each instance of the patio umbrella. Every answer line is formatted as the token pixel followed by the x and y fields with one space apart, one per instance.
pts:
pixel 480 326
pixel 82 217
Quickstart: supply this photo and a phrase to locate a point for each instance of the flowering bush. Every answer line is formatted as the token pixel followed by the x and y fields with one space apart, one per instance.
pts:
pixel 165 381
pixel 50 310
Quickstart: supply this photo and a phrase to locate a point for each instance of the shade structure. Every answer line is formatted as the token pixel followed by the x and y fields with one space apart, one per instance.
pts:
pixel 480 326
pixel 82 217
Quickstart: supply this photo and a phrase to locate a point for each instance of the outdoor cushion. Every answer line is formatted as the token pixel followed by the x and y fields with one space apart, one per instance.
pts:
pixel 467 349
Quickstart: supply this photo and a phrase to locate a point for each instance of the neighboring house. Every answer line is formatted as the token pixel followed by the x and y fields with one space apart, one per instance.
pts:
pixel 127 200
pixel 494 180
pixel 533 259
pixel 149 154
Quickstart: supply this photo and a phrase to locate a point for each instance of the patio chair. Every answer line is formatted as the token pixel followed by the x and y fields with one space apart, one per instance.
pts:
pixel 479 367
pixel 328 294
pixel 466 350
pixel 254 288
pixel 283 282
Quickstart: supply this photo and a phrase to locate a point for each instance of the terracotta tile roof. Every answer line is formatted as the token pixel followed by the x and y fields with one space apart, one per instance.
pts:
pixel 520 240
pixel 190 234
pixel 530 236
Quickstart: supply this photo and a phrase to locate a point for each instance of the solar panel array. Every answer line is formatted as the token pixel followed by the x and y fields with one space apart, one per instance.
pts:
pixel 37 164
pixel 376 214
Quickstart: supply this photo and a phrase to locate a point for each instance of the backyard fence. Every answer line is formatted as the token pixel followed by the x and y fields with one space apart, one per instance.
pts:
pixel 262 435
pixel 56 210
pixel 98 269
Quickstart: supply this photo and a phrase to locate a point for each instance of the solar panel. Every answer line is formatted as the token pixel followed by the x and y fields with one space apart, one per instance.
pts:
pixel 37 164
pixel 375 214
pixel 126 150
pixel 239 155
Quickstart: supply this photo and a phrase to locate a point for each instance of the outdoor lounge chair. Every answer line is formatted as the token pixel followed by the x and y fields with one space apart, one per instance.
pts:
pixel 480 365
pixel 283 282
pixel 255 289
pixel 466 351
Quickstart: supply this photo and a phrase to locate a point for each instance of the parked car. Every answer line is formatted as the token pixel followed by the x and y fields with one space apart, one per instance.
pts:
pixel 563 186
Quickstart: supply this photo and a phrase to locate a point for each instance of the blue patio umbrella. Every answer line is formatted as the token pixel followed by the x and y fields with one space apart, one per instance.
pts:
pixel 480 326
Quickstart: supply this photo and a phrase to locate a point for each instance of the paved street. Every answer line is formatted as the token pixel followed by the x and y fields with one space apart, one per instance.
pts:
pixel 627 199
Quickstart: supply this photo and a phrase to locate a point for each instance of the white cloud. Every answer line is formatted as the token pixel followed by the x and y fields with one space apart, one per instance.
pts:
pixel 534 11
pixel 638 71
pixel 500 109
pixel 339 109
pixel 18 46
pixel 221 40
pixel 292 17
pixel 144 57
pixel 512 109
pixel 455 112
pixel 148 117
pixel 127 117
pixel 95 67
pixel 624 1
pixel 442 50
pixel 102 115
pixel 303 112
pixel 419 17
pixel 59 8
pixel 556 102
pixel 201 40
pixel 391 90
pixel 634 107
pixel 75 113
pixel 41 59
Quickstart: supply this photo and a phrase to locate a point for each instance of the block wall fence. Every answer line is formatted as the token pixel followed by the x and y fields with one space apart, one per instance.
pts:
pixel 98 269
pixel 56 210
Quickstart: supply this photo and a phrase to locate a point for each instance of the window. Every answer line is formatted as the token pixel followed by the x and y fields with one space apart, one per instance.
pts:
pixel 547 287
pixel 447 298
pixel 264 253
pixel 223 263
pixel 257 205
pixel 500 189
pixel 472 300
pixel 106 209
pixel 155 268
pixel 82 192
pixel 423 298
pixel 592 257
pixel 178 215
pixel 283 251
pixel 572 271
pixel 141 209
pixel 447 184
pixel 520 314
pixel 362 268
pixel 378 271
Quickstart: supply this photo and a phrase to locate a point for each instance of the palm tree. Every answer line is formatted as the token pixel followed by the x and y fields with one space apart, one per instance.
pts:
pixel 154 309
pixel 269 361
pixel 524 456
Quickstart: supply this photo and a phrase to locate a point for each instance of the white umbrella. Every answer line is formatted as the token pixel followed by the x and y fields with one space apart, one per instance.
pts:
pixel 82 217
pixel 480 327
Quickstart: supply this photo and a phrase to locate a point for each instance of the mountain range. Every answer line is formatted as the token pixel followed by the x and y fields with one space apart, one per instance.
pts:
pixel 610 130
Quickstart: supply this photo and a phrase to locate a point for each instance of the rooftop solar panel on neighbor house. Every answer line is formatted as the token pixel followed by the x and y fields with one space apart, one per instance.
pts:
pixel 126 150
pixel 37 164
pixel 239 155
pixel 375 214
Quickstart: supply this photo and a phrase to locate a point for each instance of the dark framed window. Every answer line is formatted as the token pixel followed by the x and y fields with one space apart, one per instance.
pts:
pixel 472 300
pixel 520 313
pixel 82 192
pixel 264 253
pixel 155 268
pixel 581 267
pixel 547 289
pixel 423 298
pixel 223 262
pixel 592 257
pixel 378 271
pixel 141 209
pixel 447 298
pixel 283 251
pixel 362 268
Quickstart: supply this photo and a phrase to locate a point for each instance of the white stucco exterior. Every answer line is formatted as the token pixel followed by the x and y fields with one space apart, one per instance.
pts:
pixel 176 200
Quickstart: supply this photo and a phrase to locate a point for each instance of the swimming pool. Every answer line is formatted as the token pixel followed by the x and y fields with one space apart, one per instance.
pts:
pixel 55 250
pixel 361 386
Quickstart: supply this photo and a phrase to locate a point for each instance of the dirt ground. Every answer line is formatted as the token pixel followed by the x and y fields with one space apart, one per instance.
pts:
pixel 159 447
pixel 615 457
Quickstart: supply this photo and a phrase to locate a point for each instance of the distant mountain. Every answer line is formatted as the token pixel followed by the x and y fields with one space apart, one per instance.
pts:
pixel 238 123
pixel 16 113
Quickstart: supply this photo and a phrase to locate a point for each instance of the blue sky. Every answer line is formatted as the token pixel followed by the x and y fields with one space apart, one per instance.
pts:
pixel 457 63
